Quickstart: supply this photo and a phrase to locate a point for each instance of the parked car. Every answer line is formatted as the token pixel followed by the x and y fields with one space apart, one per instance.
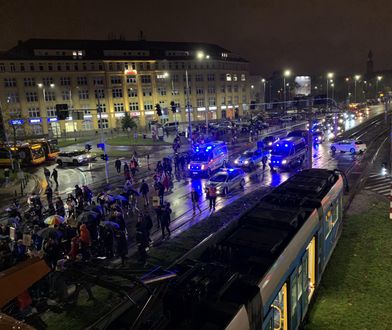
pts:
pixel 352 146
pixel 77 157
pixel 225 181
pixel 267 142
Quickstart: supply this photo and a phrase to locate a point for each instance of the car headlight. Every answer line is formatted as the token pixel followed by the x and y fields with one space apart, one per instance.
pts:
pixel 189 166
pixel 270 143
pixel 236 161
pixel 202 167
pixel 284 161
pixel 246 162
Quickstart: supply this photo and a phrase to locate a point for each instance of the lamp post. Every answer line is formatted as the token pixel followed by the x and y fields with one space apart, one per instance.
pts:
pixel 102 136
pixel 356 78
pixel 378 79
pixel 263 81
pixel 286 74
pixel 329 78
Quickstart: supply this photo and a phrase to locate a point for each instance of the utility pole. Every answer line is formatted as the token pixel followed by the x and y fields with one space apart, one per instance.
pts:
pixel 187 105
pixel 102 138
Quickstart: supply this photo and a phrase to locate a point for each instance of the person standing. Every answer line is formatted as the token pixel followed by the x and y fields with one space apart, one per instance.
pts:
pixel 60 209
pixel 47 175
pixel 212 197
pixel 165 220
pixel 55 176
pixel 195 197
pixel 121 246
pixel 117 164
pixel 49 194
pixel 85 241
pixel 160 188
pixel 144 191
pixel 7 176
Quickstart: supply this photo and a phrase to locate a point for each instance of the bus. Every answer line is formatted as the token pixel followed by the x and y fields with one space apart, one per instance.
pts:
pixel 26 153
pixel 50 146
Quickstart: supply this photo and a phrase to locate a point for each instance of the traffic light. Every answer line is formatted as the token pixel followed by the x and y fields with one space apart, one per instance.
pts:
pixel 104 157
pixel 158 109
pixel 62 112
pixel 173 107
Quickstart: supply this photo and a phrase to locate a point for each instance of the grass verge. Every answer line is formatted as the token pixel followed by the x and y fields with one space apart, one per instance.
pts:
pixel 69 142
pixel 130 141
pixel 355 289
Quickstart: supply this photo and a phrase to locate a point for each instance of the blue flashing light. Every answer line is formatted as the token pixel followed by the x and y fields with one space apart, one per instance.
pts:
pixel 231 169
pixel 277 144
pixel 286 145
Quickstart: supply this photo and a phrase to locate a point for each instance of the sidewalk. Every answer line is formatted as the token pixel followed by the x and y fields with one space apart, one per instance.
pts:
pixel 18 189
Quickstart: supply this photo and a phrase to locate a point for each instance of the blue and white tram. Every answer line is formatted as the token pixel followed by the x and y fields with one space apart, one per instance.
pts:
pixel 263 274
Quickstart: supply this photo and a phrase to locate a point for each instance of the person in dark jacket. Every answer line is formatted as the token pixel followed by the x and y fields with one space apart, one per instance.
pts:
pixel 144 191
pixel 55 176
pixel 195 197
pixel 165 220
pixel 49 194
pixel 160 188
pixel 121 244
pixel 142 240
pixel 117 165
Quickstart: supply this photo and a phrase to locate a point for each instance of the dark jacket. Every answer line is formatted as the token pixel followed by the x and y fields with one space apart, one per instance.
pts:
pixel 195 196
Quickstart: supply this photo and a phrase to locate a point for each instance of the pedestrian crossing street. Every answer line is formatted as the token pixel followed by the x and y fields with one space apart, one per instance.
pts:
pixel 378 183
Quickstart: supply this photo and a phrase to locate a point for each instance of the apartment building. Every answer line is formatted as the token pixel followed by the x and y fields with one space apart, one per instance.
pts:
pixel 115 77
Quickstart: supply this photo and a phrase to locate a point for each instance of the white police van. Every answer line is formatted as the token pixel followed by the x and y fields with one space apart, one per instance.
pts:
pixel 288 153
pixel 207 158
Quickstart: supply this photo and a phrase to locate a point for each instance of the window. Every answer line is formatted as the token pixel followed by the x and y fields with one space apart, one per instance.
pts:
pixel 199 77
pixel 47 81
pixel 50 112
pixel 212 100
pixel 2 67
pixel 13 97
pixel 28 82
pixel 223 100
pixel 103 123
pixel 190 90
pixel 189 77
pixel 236 100
pixel 235 88
pixel 116 80
pixel 22 67
pixel 119 107
pixel 199 91
pixel 98 81
pixel 9 82
pixel 41 67
pixel 162 91
pixel 81 81
pixel 65 81
pixel 65 95
pixel 243 78
pixel 117 92
pixel 50 67
pixel 99 93
pixel 211 89
pixel 211 77
pixel 31 97
pixel 229 100
pixel 36 129
pixel 223 88
pixel 175 91
pixel 222 77
pixel 148 106
pixel 200 102
pixel 67 67
pixel 50 96
pixel 83 94
pixel 32 67
pixel 228 77
pixel 131 79
pixel 229 88
pixel 175 78
pixel 147 92
pixel 132 92
pixel 34 112
pixel 15 112
pixel 235 78
pixel 331 217
pixel 133 106
pixel 101 107
pixel 146 79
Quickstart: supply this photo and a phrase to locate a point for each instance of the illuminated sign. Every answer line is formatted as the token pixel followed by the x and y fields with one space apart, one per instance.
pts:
pixel 52 120
pixel 35 120
pixel 148 113
pixel 16 122
pixel 135 113
pixel 130 71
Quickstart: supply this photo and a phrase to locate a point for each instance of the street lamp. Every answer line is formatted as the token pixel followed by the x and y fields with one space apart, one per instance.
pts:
pixel 356 78
pixel 263 82
pixel 329 79
pixel 286 74
pixel 379 78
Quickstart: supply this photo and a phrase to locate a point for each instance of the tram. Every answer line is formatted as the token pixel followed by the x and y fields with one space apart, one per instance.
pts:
pixel 27 153
pixel 263 274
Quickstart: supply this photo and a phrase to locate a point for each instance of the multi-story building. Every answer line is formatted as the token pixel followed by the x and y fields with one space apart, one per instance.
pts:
pixel 117 76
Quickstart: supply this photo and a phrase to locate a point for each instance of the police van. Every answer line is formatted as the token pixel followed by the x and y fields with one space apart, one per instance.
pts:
pixel 288 153
pixel 208 157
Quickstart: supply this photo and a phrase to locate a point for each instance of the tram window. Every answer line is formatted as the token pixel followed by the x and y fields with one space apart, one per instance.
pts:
pixel 331 217
pixel 311 273
pixel 279 307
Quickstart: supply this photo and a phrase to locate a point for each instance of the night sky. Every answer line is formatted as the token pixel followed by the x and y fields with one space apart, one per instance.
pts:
pixel 311 36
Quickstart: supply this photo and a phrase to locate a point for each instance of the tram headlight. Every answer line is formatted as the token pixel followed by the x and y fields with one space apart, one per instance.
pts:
pixel 284 161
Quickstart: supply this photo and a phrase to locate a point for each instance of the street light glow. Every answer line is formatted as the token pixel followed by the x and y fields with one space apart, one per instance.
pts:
pixel 40 85
pixel 347 79
pixel 52 85
pixel 263 80
pixel 330 75
pixel 166 74
pixel 357 77
pixel 379 78
pixel 200 55
pixel 287 73
pixel 252 86
pixel 207 57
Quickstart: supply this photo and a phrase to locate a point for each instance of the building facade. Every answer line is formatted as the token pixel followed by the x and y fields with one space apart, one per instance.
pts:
pixel 117 76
